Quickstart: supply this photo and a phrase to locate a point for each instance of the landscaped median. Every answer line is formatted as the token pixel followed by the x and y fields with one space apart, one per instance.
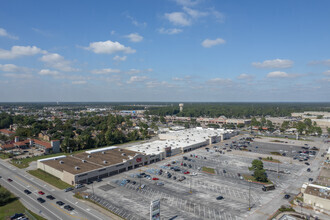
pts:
pixel 48 178
pixel 12 206
pixel 270 159
pixel 208 170
pixel 252 179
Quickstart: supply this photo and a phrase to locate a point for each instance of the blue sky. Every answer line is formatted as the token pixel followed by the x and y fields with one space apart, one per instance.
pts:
pixel 169 50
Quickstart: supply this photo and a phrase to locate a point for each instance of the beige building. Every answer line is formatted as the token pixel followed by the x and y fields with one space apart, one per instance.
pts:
pixel 317 196
pixel 94 164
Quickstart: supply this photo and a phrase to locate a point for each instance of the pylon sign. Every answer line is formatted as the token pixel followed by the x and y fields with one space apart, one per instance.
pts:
pixel 155 210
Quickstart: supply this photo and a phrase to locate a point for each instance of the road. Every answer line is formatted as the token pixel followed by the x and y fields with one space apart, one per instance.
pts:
pixel 50 210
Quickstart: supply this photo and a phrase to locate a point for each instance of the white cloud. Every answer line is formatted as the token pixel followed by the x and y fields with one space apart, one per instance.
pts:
pixel 277 63
pixel 133 71
pixel 187 2
pixel 18 75
pixel 210 43
pixel 109 47
pixel 219 81
pixel 9 68
pixel 80 82
pixel 278 74
pixel 47 72
pixel 134 37
pixel 177 79
pixel 134 79
pixel 135 22
pixel 119 58
pixel 327 73
pixel 195 13
pixel 57 61
pixel 105 71
pixel 320 62
pixel 17 51
pixel 218 15
pixel 4 33
pixel 178 18
pixel 245 76
pixel 169 31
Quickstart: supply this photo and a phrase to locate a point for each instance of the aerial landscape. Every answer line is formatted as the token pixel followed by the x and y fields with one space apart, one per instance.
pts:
pixel 171 109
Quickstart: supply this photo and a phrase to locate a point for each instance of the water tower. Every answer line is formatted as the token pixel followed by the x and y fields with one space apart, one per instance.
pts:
pixel 181 107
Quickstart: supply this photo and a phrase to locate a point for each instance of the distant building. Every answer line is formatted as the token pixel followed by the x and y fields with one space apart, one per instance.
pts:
pixel 48 147
pixel 181 107
pixel 6 132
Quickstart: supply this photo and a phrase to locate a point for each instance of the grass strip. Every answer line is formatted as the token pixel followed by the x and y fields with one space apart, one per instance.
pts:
pixel 48 178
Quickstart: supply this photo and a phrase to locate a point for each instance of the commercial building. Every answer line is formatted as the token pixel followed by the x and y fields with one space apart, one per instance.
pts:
pixel 104 162
pixel 316 196
pixel 94 164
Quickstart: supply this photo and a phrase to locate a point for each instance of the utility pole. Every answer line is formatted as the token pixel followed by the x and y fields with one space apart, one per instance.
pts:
pixel 249 195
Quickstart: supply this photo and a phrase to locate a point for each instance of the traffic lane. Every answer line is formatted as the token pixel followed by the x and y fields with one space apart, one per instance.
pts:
pixel 31 202
pixel 80 209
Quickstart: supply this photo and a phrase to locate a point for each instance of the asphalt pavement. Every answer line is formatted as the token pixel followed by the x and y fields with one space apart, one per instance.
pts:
pixel 50 210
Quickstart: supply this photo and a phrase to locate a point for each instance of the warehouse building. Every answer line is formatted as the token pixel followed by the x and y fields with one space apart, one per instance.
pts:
pixel 316 196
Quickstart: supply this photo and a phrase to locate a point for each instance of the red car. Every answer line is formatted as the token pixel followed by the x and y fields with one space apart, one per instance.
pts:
pixel 155 178
pixel 181 164
pixel 41 192
pixel 10 180
pixel 187 172
pixel 168 165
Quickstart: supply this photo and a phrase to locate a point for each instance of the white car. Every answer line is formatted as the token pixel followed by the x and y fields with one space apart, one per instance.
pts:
pixel 193 174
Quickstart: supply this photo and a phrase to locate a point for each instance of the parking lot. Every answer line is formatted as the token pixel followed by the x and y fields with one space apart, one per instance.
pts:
pixel 195 195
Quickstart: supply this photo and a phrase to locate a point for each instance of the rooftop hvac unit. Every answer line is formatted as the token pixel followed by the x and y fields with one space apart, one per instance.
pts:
pixel 89 156
pixel 61 162
pixel 105 162
pixel 123 154
pixel 84 161
pixel 77 168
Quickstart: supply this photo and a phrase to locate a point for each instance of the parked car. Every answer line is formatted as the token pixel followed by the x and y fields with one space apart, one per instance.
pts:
pixel 174 177
pixel 133 182
pixel 79 186
pixel 310 179
pixel 155 178
pixel 41 193
pixel 307 163
pixel 309 170
pixel 10 180
pixel 220 198
pixel 68 189
pixel 143 186
pixel 187 172
pixel 224 171
pixel 27 191
pixel 160 184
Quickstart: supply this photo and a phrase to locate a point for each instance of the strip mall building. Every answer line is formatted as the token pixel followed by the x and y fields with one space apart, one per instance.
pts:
pixel 103 162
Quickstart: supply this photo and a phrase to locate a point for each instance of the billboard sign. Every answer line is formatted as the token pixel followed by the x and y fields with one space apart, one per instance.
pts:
pixel 155 210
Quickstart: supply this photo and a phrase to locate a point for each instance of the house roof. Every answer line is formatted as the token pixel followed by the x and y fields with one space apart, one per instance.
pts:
pixel 43 143
pixel 6 131
pixel 7 146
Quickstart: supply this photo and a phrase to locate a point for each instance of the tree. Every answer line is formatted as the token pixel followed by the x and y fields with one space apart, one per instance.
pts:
pixel 162 120
pixel 4 196
pixel 259 172
pixel 308 122
pixel 256 165
pixel 260 175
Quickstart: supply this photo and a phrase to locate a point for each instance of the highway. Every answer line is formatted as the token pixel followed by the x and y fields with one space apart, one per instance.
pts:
pixel 49 210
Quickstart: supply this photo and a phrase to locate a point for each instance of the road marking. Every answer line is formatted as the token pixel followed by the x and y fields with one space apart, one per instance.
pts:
pixel 84 209
pixel 66 212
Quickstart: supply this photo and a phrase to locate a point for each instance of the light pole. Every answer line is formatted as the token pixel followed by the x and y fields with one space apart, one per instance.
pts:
pixel 278 169
pixel 249 195
pixel 190 185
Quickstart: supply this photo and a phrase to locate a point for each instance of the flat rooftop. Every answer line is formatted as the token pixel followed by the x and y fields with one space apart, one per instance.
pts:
pixel 89 161
pixel 319 192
